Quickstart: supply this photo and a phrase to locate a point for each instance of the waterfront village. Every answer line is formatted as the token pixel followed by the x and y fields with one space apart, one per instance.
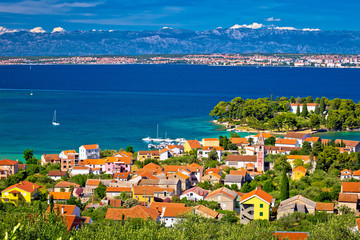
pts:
pixel 223 179
pixel 290 60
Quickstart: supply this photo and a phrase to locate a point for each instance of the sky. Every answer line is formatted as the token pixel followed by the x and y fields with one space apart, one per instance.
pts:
pixel 184 14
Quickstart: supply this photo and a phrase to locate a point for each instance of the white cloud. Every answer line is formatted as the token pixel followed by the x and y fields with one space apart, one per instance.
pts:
pixel 58 29
pixel 272 19
pixel 285 28
pixel 37 30
pixel 252 26
pixel 48 7
pixel 311 29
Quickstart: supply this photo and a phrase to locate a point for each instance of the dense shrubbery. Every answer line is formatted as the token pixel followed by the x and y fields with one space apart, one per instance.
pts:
pixel 31 222
pixel 265 113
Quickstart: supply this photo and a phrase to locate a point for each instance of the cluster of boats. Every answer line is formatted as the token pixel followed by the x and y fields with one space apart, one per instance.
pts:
pixel 160 143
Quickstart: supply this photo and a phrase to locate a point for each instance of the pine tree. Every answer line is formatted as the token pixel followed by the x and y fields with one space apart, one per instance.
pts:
pixel 304 111
pixel 298 109
pixel 51 200
pixel 317 110
pixel 322 105
pixel 284 188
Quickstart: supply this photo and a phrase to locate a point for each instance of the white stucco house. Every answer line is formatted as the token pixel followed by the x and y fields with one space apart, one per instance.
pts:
pixel 89 152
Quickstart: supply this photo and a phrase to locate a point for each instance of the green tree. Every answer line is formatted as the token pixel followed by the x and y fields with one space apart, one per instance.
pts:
pixel 317 148
pixel 284 187
pixel 213 156
pixel 282 164
pixel 270 141
pixel 306 148
pixel 250 141
pixel 129 149
pixel 268 186
pixel 305 110
pixel 131 202
pixel 322 105
pixel 298 109
pixel 314 121
pixel 51 202
pixel 100 191
pixel 28 154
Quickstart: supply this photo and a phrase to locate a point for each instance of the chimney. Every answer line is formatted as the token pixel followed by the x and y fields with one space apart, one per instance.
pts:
pixel 62 210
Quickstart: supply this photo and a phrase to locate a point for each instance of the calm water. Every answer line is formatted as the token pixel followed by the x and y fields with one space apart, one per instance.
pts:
pixel 116 106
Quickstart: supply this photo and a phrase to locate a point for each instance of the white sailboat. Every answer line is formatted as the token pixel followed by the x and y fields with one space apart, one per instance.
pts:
pixel 54 122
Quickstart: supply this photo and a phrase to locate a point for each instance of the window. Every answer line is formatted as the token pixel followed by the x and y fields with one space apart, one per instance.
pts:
pixel 191 194
pixel 24 194
pixel 165 193
pixel 261 205
pixel 261 214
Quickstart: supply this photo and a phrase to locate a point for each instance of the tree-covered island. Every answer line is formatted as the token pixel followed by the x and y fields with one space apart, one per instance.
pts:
pixel 284 114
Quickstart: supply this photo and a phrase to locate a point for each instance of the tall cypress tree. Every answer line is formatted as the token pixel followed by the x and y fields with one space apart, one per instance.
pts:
pixel 51 200
pixel 317 110
pixel 284 187
pixel 304 111
pixel 322 105
pixel 298 110
pixel 272 98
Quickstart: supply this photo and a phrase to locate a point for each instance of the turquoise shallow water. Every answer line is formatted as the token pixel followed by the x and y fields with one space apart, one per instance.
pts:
pixel 117 105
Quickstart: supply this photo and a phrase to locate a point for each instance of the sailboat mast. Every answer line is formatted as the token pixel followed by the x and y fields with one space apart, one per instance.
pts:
pixel 157 131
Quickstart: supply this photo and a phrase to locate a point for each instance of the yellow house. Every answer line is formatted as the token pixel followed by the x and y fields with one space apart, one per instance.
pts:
pixel 298 173
pixel 255 205
pixel 210 142
pixel 143 155
pixel 191 145
pixel 22 191
pixel 146 194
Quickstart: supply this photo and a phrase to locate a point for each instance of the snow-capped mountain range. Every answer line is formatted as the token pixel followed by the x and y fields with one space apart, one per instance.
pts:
pixel 252 38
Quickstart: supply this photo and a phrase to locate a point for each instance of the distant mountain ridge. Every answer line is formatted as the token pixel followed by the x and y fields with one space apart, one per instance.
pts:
pixel 239 39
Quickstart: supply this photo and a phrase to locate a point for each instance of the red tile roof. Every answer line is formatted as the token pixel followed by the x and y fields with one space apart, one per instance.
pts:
pixel 134 212
pixel 197 190
pixel 300 169
pixel 348 197
pixel 24 185
pixel 118 189
pixel 265 135
pixel 224 191
pixel 152 153
pixel 7 162
pixel 259 193
pixel 176 211
pixel 74 221
pixel 296 135
pixel 217 148
pixel 56 173
pixel 241 158
pixel 351 187
pixel 194 144
pixel 239 140
pixel 291 235
pixel 286 141
pixel 324 206
pixel 348 143
pixel 68 209
pixel 60 195
pixel 65 184
pixel 123 175
pixel 92 146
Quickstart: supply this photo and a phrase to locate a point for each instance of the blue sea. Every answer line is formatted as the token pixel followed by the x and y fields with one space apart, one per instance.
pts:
pixel 117 105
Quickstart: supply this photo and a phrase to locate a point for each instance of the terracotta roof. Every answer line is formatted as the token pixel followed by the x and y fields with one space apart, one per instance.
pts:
pixel 51 157
pixel 346 172
pixel 125 160
pixel 115 202
pixel 356 173
pixel 296 135
pixel 291 235
pixel 194 144
pixel 224 191
pixel 56 173
pixel 92 146
pixel 66 152
pixel 148 175
pixel 281 149
pixel 124 154
pixel 214 170
pixel 348 197
pixel 173 168
pixel 175 146
pixel 249 165
pixel 176 211
pixel 351 187
pixel 121 175
pixel 324 206
pixel 217 148
pixel 68 209
pixel 60 195
pixel 239 140
pixel 325 141
pixel 118 189
pixel 238 172
pixel 134 212
pixel 24 185
pixel 22 166
pixel 286 141
pixel 213 174
pixel 312 139
pixel 300 169
pixel 197 190
pixel 259 193
pixel 150 190
pixel 7 162
pixel 265 135
pixel 348 143
pixel 94 161
pixel 74 221
pixel 206 211
pixel 194 165
pixel 92 182
pixel 159 205
pixel 152 166
pixel 65 184
pixel 153 153
pixel 210 139
pixel 164 150
pixel 241 158
pixel 180 175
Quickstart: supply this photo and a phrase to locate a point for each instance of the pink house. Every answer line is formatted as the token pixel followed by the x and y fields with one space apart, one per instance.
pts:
pixel 117 164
